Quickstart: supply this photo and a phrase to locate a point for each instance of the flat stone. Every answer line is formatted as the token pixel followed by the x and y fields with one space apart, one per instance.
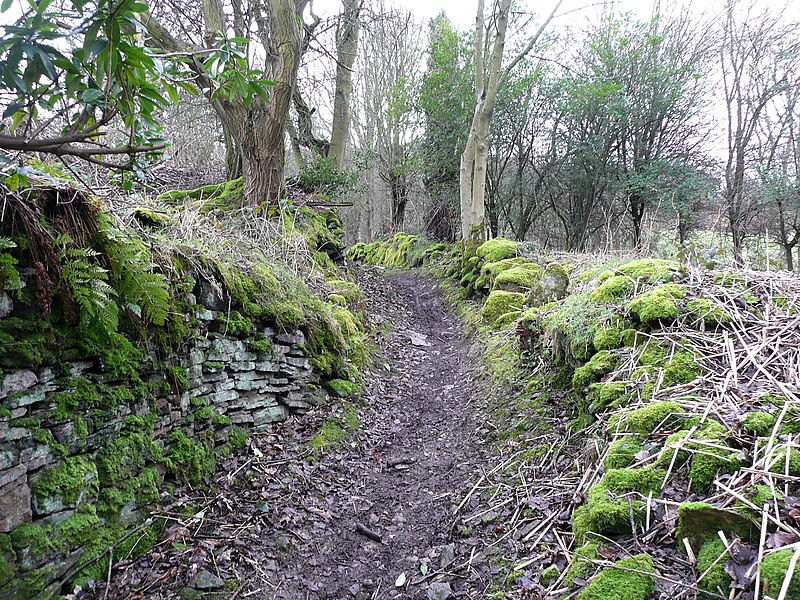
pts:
pixel 205 580
pixel 266 366
pixel 224 396
pixel 210 295
pixel 8 458
pixel 9 476
pixel 274 414
pixel 6 305
pixel 224 349
pixel 197 357
pixel 242 365
pixel 439 591
pixel 18 381
pixel 15 507
pixel 302 363
pixel 80 367
pixel 292 339
pixel 17 433
pixel 249 385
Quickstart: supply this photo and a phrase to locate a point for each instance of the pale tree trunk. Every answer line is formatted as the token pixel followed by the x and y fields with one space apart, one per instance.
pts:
pixel 346 50
pixel 489 77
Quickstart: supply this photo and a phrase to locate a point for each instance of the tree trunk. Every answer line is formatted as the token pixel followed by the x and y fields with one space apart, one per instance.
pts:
pixel 346 50
pixel 399 192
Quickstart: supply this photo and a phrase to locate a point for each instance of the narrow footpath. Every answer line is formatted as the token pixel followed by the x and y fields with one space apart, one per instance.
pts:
pixel 371 516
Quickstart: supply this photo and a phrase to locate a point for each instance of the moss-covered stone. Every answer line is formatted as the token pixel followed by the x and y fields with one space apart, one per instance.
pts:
pixel 658 304
pixel 601 363
pixel 189 459
pixel 699 521
pixel 500 303
pixel 622 453
pixel 629 579
pixel 603 513
pixel 645 420
pixel 336 429
pixel 343 388
pixel 73 481
pixel 604 395
pixel 703 310
pixel 522 278
pixel 759 423
pixel 613 289
pixel 237 438
pixel 571 325
pixel 652 270
pixel 608 337
pixel 774 570
pixel 716 580
pixel 582 565
pixel 549 575
pixel 8 560
pixel 497 249
pixel 551 286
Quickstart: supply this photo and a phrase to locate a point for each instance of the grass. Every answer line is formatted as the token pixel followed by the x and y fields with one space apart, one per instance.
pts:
pixel 335 430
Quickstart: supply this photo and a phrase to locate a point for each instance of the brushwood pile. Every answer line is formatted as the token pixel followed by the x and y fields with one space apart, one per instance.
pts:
pixel 683 383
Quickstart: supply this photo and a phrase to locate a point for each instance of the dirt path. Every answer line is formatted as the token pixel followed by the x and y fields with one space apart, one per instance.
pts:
pixel 287 524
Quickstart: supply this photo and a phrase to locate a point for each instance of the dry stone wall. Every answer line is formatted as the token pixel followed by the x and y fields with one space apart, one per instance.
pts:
pixel 82 455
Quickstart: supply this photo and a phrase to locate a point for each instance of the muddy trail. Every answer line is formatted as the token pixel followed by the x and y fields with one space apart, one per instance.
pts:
pixel 372 515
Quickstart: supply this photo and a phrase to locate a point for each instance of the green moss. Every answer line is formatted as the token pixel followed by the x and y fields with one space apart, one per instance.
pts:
pixel 716 580
pixel 601 363
pixel 521 278
pixel 348 290
pixel 651 270
pixel 773 571
pixel 582 565
pixel 221 421
pixel 622 453
pixel 234 323
pixel 613 289
pixel 337 299
pixel 604 395
pixel 179 376
pixel 343 388
pixel 497 249
pixel 213 366
pixel 79 528
pixel 336 429
pixel 71 481
pixel 658 304
pixel 549 575
pixel 703 310
pixel 189 459
pixel 608 337
pixel 759 423
pixel 500 303
pixel 205 413
pixel 35 540
pixel 707 462
pixel 237 438
pixel 151 218
pixel 645 420
pixel 632 579
pixel 7 560
pixel 490 270
pixel 571 326
pixel 124 457
pixel 602 514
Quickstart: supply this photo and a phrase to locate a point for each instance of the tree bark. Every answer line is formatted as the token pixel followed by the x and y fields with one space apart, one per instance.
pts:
pixel 346 50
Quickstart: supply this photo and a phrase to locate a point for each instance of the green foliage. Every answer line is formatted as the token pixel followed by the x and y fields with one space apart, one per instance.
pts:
pixel 237 437
pixel 336 429
pixel 658 304
pixel 774 570
pixel 9 276
pixel 601 363
pixel 322 176
pixel 58 57
pixel 88 285
pixel 343 388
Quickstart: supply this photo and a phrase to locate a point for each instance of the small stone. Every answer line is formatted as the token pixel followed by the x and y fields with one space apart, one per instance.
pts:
pixel 205 580
pixel 448 555
pixel 439 591
pixel 15 507
pixel 18 381
pixel 6 305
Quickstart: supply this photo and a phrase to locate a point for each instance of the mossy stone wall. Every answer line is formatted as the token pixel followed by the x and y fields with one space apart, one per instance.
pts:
pixel 83 454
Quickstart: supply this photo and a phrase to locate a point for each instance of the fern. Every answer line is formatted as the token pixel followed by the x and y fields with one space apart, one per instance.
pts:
pixel 143 291
pixel 88 285
pixel 9 276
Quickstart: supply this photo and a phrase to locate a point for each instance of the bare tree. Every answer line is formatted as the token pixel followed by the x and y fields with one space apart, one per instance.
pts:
pixel 489 77
pixel 759 60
